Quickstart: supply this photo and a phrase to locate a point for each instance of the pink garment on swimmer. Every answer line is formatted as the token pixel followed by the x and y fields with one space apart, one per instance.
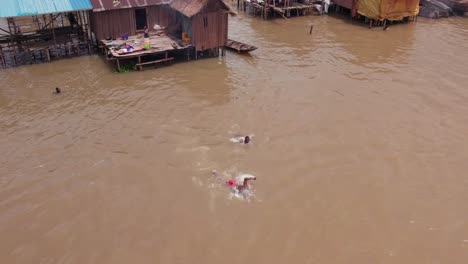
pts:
pixel 231 183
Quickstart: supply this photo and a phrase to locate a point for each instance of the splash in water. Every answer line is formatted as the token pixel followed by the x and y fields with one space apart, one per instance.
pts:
pixel 242 139
pixel 238 186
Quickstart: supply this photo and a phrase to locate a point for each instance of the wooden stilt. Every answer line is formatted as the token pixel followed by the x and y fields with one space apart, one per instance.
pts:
pixel 47 54
pixel 14 57
pixel 53 28
pixel 69 49
pixel 118 65
pixel 140 67
pixel 2 55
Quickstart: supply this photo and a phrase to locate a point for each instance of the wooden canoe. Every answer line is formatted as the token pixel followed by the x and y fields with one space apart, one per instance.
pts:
pixel 239 46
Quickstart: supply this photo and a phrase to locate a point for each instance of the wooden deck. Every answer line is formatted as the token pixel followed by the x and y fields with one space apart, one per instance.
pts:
pixel 265 9
pixel 160 44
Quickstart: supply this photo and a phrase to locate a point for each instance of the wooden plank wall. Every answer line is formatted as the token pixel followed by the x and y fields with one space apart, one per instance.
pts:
pixel 212 36
pixel 161 15
pixel 115 23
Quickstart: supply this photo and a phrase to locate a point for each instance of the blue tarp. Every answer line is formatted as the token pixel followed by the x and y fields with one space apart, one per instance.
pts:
pixel 15 8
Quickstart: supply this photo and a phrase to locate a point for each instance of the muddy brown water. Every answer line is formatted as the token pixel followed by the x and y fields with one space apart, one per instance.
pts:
pixel 360 149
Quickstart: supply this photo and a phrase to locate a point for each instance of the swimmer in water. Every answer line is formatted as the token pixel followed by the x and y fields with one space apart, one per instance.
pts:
pixel 241 182
pixel 241 139
pixel 57 90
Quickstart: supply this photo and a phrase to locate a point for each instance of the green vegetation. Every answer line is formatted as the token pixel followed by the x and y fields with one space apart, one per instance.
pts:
pixel 127 67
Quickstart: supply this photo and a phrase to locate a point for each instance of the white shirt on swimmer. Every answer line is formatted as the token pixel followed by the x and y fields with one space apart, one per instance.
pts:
pixel 239 180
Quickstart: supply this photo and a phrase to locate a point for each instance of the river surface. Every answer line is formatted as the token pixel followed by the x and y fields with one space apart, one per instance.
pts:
pixel 360 150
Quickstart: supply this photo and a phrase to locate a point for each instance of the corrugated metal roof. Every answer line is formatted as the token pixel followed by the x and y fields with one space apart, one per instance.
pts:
pixel 14 8
pixel 103 5
pixel 190 8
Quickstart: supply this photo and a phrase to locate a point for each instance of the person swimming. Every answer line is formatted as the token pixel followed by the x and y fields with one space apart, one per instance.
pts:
pixel 241 182
pixel 57 90
pixel 241 139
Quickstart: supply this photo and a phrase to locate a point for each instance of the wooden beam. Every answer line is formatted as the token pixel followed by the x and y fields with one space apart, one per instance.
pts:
pixel 53 19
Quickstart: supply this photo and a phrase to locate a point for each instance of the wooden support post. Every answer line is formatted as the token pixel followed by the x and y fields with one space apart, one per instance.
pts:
pixel 33 57
pixel 53 28
pixel 165 56
pixel 14 57
pixel 90 29
pixel 139 63
pixel 47 54
pixel 2 54
pixel 69 49
pixel 311 29
pixel 370 23
pixel 118 65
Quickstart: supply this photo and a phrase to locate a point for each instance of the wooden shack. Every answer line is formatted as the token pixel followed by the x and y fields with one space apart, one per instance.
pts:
pixel 34 32
pixel 379 11
pixel 205 22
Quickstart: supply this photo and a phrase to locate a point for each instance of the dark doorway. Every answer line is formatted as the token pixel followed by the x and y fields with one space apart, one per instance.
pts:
pixel 140 18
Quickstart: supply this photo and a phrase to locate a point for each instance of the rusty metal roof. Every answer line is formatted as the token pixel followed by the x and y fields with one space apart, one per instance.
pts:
pixel 15 8
pixel 190 8
pixel 187 7
pixel 103 5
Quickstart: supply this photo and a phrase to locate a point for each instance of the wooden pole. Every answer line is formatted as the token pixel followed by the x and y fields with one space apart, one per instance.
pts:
pixel 53 29
pixel 48 54
pixel 80 23
pixel 311 29
pixel 3 58
pixel 45 21
pixel 9 29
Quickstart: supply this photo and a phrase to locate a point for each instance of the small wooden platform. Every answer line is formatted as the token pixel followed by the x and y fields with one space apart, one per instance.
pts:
pixel 160 44
pixel 285 11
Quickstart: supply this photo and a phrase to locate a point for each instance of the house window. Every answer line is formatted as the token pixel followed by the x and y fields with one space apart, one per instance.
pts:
pixel 140 18
pixel 205 22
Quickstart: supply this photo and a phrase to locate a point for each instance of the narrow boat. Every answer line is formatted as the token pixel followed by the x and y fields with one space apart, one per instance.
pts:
pixel 239 46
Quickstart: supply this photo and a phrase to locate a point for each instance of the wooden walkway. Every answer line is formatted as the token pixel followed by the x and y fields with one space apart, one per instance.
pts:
pixel 265 9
